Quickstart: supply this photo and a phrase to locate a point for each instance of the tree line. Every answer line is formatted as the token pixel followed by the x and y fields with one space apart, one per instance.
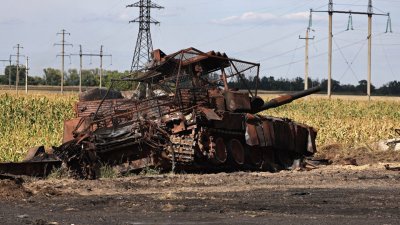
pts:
pixel 52 77
pixel 391 88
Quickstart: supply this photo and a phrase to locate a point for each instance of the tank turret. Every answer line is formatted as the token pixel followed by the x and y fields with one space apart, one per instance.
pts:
pixel 285 99
pixel 190 119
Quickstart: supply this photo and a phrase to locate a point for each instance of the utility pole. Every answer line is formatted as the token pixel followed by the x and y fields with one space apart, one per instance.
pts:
pixel 80 68
pixel 63 44
pixel 18 47
pixel 9 70
pixel 9 74
pixel 101 63
pixel 307 38
pixel 26 74
pixel 144 45
pixel 101 55
pixel 330 34
pixel 370 13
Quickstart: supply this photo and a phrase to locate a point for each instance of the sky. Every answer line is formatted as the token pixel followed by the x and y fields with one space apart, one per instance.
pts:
pixel 264 31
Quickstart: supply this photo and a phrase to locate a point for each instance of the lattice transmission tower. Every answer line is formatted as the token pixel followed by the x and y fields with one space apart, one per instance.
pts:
pixel 144 45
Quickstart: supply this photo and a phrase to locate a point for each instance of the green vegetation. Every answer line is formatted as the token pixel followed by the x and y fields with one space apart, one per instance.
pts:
pixel 348 122
pixel 33 120
pixel 107 171
pixel 52 77
pixel 37 119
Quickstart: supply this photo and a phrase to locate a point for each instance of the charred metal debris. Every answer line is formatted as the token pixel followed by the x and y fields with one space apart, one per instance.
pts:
pixel 182 116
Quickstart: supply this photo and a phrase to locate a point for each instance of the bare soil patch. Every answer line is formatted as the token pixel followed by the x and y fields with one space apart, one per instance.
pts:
pixel 367 194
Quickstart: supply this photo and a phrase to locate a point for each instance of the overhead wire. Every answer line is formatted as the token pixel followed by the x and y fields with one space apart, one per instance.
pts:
pixel 294 54
pixel 354 58
pixel 251 28
pixel 345 59
pixel 295 49
pixel 387 59
pixel 318 55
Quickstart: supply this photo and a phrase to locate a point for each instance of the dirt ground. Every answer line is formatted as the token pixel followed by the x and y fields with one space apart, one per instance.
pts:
pixel 367 194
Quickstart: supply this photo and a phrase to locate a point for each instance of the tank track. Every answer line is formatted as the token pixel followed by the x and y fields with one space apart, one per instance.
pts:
pixel 183 148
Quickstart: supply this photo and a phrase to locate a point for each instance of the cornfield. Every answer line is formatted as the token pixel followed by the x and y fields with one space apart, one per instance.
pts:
pixel 347 122
pixel 31 120
pixel 37 119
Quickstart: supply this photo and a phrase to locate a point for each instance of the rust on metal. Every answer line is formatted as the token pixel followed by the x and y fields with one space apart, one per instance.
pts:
pixel 183 115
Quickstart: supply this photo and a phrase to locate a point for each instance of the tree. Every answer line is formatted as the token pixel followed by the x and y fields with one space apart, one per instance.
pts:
pixel 13 75
pixel 109 75
pixel 335 85
pixel 362 87
pixel 52 77
pixel 72 78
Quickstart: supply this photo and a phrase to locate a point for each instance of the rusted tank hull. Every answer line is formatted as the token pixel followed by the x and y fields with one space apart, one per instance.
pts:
pixel 185 117
pixel 35 169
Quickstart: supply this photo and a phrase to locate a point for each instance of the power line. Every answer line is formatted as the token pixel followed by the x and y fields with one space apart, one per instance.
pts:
pixel 345 59
pixel 355 57
pixel 253 27
pixel 144 45
pixel 18 47
pixel 387 59
pixel 318 55
pixel 369 13
pixel 295 49
pixel 101 55
pixel 293 56
pixel 63 44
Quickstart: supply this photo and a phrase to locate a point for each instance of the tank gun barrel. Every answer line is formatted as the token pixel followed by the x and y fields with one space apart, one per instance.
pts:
pixel 285 99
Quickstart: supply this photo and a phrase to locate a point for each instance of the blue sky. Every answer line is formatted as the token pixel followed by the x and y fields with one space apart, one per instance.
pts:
pixel 264 31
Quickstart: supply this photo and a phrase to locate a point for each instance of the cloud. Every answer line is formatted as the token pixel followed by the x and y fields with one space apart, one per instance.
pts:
pixel 11 22
pixel 113 18
pixel 257 18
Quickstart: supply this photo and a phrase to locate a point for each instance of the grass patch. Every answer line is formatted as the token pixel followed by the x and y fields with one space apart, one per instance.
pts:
pixel 32 120
pixel 348 122
pixel 37 119
pixel 58 173
pixel 148 171
pixel 107 171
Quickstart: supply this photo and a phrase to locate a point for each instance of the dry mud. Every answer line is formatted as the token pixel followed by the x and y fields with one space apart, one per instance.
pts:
pixel 367 194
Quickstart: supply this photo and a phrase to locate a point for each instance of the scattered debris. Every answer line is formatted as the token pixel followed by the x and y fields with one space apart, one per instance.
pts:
pixel 182 116
pixel 23 216
pixel 388 167
pixel 388 145
pixel 350 161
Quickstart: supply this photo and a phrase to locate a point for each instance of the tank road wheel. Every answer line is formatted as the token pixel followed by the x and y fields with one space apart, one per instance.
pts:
pixel 255 156
pixel 269 163
pixel 220 151
pixel 236 151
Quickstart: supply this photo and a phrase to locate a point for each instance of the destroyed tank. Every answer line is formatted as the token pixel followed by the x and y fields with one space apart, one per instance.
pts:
pixel 184 116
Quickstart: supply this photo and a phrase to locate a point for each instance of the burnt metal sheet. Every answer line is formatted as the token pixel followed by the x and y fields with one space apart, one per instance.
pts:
pixel 178 127
pixel 69 127
pixel 251 135
pixel 86 108
pixel 148 162
pixel 268 132
pixel 301 138
pixel 311 145
pixel 32 152
pixel 35 169
pixel 283 136
pixel 261 136
pixel 210 114
pixel 231 121
pixel 218 102
pixel 236 101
